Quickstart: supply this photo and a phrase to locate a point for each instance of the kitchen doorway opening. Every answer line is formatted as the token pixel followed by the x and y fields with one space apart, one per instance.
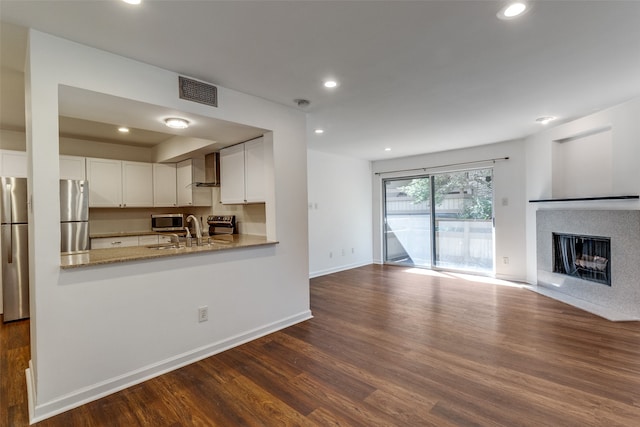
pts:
pixel 440 221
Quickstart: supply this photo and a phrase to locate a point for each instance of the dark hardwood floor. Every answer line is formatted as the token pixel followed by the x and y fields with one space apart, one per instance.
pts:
pixel 386 347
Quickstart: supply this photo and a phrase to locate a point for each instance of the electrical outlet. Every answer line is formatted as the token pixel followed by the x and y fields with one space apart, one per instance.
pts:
pixel 203 314
pixel 353 250
pixel 330 254
pixel 343 252
pixel 505 260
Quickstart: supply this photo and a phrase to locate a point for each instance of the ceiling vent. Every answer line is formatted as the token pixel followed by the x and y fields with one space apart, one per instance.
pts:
pixel 193 90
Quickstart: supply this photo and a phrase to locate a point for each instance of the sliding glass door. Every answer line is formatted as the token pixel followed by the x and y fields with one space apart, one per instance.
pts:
pixel 442 220
pixel 464 220
pixel 407 222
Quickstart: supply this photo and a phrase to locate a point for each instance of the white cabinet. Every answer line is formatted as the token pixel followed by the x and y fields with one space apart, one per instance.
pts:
pixel 128 241
pixel 114 242
pixel 164 185
pixel 105 183
pixel 137 184
pixel 149 239
pixel 242 173
pixel 72 167
pixel 13 163
pixel 254 171
pixel 116 184
pixel 187 173
pixel 232 174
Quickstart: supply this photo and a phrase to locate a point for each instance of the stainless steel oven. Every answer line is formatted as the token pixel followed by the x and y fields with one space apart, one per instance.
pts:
pixel 167 222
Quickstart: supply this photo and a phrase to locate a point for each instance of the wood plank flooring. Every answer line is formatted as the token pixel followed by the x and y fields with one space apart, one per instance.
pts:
pixel 387 347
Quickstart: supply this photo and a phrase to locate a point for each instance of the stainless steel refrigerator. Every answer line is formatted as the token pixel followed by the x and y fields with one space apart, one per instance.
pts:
pixel 74 215
pixel 14 248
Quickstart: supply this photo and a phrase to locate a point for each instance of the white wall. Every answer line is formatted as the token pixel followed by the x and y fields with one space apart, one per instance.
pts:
pixel 95 330
pixel 339 212
pixel 509 200
pixel 624 121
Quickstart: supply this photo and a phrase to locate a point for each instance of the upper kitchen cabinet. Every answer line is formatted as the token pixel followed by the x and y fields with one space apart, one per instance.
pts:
pixel 242 173
pixel 13 163
pixel 105 183
pixel 188 172
pixel 118 184
pixel 164 185
pixel 137 184
pixel 72 167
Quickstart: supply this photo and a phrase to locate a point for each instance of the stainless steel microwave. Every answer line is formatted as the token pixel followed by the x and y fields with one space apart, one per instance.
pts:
pixel 167 222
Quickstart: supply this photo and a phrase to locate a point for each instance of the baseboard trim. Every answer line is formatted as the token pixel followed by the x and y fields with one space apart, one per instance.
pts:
pixel 39 412
pixel 319 273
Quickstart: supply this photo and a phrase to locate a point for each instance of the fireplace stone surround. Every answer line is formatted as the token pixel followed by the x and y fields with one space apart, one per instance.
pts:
pixel 621 300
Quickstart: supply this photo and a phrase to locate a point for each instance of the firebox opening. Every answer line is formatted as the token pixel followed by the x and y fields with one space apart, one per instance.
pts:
pixel 585 257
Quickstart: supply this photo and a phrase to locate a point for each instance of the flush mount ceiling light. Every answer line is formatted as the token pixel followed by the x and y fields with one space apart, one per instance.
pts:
pixel 512 10
pixel 319 131
pixel 387 149
pixel 132 1
pixel 123 129
pixel 176 123
pixel 545 119
pixel 330 84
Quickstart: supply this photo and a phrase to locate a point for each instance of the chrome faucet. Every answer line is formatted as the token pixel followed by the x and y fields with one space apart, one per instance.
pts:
pixel 198 229
pixel 177 239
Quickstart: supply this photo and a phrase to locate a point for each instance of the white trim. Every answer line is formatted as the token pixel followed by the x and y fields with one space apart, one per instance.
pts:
pixel 31 390
pixel 324 272
pixel 39 412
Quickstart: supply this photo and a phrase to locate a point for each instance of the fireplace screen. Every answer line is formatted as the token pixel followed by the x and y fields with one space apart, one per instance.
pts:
pixel 585 257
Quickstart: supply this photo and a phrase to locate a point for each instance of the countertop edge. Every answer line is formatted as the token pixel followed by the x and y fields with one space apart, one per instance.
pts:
pixel 138 253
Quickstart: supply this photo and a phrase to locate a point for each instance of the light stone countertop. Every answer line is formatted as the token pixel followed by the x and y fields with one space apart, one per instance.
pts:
pixel 135 233
pixel 117 255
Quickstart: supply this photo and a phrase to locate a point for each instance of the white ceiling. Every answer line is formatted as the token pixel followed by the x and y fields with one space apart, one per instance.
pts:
pixel 416 76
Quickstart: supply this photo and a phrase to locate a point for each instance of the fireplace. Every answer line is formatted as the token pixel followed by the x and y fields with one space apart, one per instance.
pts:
pixel 585 257
pixel 610 289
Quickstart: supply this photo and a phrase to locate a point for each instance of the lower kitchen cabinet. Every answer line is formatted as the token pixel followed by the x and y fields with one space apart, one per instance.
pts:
pixel 114 242
pixel 125 241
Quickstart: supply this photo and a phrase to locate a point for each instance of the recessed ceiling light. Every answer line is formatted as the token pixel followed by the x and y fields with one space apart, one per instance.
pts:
pixel 330 84
pixel 319 131
pixel 176 123
pixel 545 119
pixel 123 129
pixel 387 149
pixel 512 10
pixel 132 1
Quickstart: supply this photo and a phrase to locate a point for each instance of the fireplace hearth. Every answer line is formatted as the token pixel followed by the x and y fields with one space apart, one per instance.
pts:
pixel 585 257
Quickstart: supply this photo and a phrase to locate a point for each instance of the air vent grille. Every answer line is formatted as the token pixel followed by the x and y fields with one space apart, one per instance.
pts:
pixel 193 90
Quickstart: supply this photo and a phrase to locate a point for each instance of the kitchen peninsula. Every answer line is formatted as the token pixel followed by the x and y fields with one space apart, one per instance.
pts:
pixel 132 253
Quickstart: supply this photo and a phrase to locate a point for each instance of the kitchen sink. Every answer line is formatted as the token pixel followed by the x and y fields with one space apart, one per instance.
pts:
pixel 165 246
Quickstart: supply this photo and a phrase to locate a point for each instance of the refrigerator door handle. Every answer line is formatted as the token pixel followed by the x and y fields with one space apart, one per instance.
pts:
pixel 8 201
pixel 7 243
pixel 10 244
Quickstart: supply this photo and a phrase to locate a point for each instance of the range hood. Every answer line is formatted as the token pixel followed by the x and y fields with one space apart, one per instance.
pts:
pixel 211 171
